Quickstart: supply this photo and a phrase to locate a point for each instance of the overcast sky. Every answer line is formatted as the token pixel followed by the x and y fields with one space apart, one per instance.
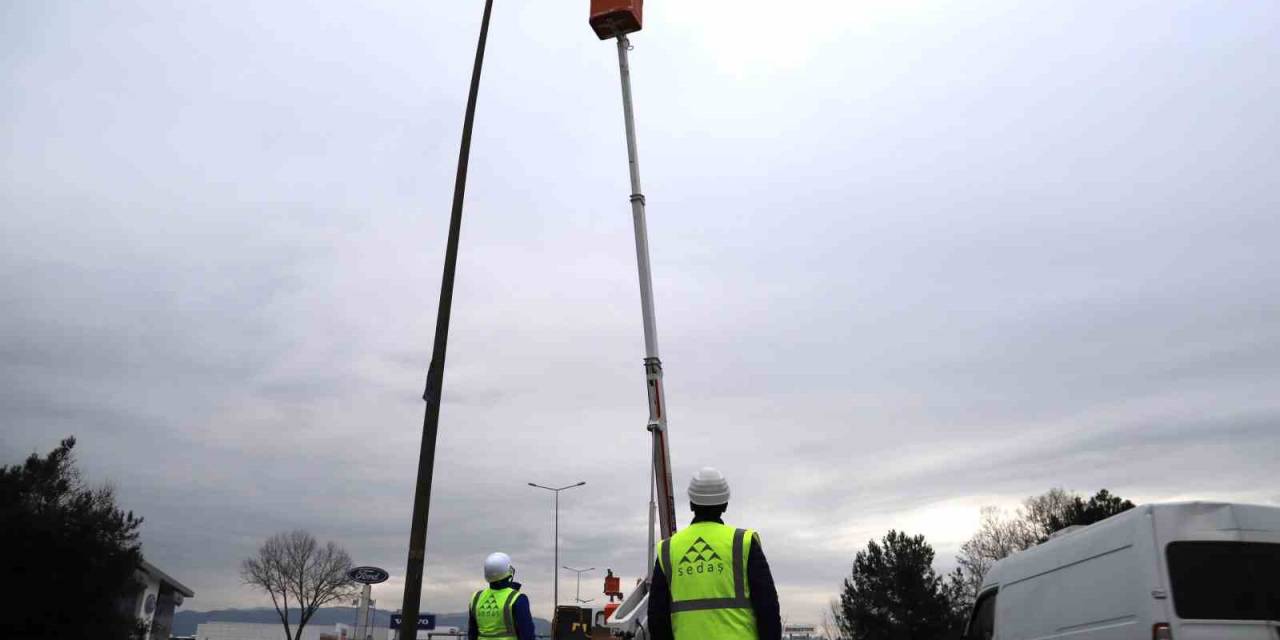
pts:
pixel 909 259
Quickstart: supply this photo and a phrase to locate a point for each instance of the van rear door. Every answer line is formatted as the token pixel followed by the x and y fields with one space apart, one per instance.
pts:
pixel 1225 590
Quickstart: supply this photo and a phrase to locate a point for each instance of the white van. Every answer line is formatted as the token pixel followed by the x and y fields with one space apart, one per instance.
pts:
pixel 1181 571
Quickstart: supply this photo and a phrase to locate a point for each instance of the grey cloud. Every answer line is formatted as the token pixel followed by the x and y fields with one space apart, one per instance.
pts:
pixel 906 263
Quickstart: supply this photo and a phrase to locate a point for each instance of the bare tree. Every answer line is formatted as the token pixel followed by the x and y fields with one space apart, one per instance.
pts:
pixel 999 535
pixel 294 567
pixel 1049 511
pixel 830 626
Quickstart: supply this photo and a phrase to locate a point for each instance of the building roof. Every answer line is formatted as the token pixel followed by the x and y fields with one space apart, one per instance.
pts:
pixel 165 578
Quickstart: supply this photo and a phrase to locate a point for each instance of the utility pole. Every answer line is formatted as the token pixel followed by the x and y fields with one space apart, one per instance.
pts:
pixel 554 571
pixel 435 373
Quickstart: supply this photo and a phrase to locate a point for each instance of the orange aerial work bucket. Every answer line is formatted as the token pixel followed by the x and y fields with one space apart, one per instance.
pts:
pixel 612 18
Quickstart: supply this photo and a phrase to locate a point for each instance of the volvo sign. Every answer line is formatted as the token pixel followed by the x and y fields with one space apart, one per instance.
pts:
pixel 426 621
pixel 368 575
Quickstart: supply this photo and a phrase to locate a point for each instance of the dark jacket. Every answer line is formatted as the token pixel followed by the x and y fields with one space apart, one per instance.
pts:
pixel 519 611
pixel 764 596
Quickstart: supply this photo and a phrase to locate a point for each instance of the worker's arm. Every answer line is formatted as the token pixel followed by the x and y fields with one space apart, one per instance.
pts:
pixel 523 619
pixel 764 595
pixel 659 606
pixel 473 630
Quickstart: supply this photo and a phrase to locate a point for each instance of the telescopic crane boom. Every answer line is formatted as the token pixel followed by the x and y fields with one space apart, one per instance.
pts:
pixel 615 19
pixel 652 362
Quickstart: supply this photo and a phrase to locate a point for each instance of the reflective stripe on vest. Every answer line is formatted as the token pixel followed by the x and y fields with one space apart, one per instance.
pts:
pixel 709 592
pixel 492 610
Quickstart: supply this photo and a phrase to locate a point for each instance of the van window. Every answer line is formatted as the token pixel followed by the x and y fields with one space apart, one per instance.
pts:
pixel 982 626
pixel 1225 580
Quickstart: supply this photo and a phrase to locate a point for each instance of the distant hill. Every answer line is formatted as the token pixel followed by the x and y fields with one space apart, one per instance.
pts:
pixel 185 622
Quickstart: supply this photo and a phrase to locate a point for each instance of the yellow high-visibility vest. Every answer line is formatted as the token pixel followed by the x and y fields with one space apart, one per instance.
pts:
pixel 492 610
pixel 706 566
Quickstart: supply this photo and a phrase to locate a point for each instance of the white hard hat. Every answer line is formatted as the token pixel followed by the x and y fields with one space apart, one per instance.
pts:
pixel 708 487
pixel 498 566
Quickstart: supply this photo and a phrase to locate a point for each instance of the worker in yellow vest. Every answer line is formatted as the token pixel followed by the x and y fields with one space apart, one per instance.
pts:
pixel 500 612
pixel 711 581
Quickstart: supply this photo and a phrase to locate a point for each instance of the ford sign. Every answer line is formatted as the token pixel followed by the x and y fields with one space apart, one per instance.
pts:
pixel 368 575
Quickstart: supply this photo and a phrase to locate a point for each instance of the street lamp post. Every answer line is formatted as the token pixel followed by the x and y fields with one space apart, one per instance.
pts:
pixel 556 572
pixel 577 588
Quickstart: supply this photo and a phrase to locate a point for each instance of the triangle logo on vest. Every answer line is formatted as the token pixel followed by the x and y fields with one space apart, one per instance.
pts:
pixel 489 606
pixel 699 551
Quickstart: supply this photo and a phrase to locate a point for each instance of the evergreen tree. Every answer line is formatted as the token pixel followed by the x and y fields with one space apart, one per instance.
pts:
pixel 1101 506
pixel 1077 511
pixel 893 593
pixel 69 552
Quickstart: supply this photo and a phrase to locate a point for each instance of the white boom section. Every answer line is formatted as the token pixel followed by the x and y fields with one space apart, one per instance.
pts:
pixel 629 620
pixel 652 363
